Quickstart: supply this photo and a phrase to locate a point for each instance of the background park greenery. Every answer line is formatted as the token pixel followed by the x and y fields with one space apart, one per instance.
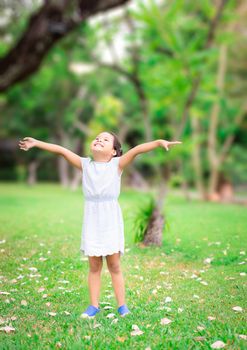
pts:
pixel 174 70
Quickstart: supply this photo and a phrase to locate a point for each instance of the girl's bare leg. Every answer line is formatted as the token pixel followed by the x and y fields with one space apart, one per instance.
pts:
pixel 113 264
pixel 95 268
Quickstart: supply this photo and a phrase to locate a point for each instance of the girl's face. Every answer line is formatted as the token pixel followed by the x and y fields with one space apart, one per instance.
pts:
pixel 103 144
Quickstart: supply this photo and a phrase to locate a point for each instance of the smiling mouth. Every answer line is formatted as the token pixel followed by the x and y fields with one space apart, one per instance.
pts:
pixel 96 144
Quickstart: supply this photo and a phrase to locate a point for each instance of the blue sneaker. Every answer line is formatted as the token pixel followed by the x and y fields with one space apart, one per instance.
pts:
pixel 91 311
pixel 123 310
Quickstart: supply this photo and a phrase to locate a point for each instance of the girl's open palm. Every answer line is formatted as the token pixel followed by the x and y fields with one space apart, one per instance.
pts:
pixel 167 144
pixel 27 143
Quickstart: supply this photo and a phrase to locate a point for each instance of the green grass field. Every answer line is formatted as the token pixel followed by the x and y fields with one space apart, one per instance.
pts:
pixel 43 271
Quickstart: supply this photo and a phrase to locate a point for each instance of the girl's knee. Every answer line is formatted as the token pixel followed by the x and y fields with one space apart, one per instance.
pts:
pixel 95 264
pixel 114 266
pixel 113 263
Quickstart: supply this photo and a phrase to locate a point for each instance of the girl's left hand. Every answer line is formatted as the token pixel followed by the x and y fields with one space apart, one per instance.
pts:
pixel 167 144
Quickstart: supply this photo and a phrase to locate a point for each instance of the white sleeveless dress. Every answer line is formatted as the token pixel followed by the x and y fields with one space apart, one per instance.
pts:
pixel 103 227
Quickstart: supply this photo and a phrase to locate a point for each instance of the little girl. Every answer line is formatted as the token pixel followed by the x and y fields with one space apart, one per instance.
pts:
pixel 103 228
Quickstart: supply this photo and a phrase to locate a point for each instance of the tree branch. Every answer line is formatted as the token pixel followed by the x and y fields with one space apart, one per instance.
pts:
pixel 53 21
pixel 213 24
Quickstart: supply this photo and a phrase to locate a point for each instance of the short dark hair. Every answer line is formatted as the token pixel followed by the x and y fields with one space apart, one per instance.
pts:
pixel 116 145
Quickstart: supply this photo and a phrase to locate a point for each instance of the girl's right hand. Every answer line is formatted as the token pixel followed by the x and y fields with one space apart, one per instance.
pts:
pixel 27 143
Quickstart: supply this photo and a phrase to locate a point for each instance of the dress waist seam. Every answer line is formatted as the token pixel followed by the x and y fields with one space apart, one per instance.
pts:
pixel 100 199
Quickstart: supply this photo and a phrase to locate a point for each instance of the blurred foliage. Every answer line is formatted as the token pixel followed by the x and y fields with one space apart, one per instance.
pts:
pixel 167 51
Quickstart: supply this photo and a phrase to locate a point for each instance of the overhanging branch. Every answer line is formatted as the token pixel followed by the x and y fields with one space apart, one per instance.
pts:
pixel 53 21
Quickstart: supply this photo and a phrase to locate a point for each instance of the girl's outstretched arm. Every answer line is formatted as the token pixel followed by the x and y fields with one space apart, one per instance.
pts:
pixel 129 156
pixel 71 157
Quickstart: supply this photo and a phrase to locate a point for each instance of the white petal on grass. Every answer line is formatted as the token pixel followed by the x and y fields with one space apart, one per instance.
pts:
pixel 84 259
pixel 34 269
pixel 4 293
pixel 200 328
pixel 154 291
pixel 168 299
pixel 242 336
pixel 196 296
pixel 7 329
pixel 211 318
pixel 3 241
pixel 2 320
pixel 20 277
pixel 200 338
pixel 97 325
pixel 115 320
pixel 109 296
pixel 52 313
pixel 67 313
pixel 180 309
pixel 237 308
pixel 105 302
pixel 242 252
pixel 88 337
pixel 63 281
pixel 24 302
pixel 167 308
pixel 165 321
pixel 242 274
pixel 42 258
pixel 218 345
pixel 44 296
pixel 136 330
pixel 204 283
pixel 207 260
pixel 41 289
pixel 111 315
pixel 107 307
pixel 135 327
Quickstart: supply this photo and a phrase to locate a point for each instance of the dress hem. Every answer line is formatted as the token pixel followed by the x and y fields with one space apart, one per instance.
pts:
pixel 102 254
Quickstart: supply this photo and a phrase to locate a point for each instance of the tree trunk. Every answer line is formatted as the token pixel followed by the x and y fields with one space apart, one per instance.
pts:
pixel 63 171
pixel 76 173
pixel 63 166
pixel 32 172
pixel 154 232
pixel 214 161
pixel 135 179
pixel 196 157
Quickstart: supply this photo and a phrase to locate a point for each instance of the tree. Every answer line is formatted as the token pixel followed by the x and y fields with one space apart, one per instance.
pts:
pixel 53 21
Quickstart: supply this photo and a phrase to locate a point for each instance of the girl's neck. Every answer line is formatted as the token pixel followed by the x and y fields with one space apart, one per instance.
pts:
pixel 101 160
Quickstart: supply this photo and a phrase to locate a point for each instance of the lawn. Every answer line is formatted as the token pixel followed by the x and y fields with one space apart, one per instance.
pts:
pixel 181 295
